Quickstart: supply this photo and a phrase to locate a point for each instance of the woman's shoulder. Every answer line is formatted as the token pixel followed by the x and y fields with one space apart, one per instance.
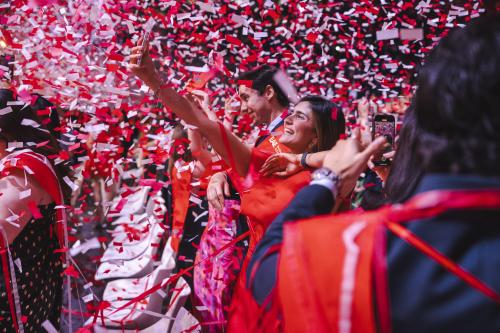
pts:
pixel 20 185
pixel 16 176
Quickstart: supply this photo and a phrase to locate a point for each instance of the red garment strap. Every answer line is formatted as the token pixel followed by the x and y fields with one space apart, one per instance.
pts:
pixel 380 280
pixel 444 261
pixel 423 206
pixel 181 191
pixel 433 203
pixel 8 289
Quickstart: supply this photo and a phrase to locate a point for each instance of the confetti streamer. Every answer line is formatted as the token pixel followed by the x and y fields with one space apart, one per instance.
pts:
pixel 47 325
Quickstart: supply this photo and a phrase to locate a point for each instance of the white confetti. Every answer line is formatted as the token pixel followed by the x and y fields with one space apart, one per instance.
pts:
pixel 72 185
pixel 88 298
pixel 411 34
pixel 47 325
pixel 387 34
pixel 19 265
pixel 5 110
pixel 24 194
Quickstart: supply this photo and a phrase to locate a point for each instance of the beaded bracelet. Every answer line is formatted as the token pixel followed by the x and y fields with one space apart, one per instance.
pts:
pixel 303 161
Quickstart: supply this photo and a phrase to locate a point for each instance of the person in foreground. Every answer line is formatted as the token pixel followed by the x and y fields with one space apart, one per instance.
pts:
pixel 32 234
pixel 428 265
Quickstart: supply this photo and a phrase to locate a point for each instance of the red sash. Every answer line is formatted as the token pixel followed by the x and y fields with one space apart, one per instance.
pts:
pixel 181 191
pixel 305 274
pixel 271 142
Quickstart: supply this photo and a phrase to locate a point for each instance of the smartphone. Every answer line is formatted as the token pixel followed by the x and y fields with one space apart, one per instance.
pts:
pixel 384 124
pixel 148 27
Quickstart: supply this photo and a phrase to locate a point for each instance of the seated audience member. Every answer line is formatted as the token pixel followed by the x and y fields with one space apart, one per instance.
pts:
pixel 429 265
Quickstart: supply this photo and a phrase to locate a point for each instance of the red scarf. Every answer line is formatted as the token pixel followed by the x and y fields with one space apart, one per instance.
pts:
pixel 181 191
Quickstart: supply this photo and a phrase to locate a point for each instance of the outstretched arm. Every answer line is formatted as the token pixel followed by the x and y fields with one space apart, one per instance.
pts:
pixel 142 65
pixel 347 161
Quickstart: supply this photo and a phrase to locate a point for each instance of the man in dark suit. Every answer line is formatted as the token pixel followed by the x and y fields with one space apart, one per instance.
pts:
pixel 458 116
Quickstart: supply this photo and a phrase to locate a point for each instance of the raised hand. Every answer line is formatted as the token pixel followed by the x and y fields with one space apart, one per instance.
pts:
pixel 142 65
pixel 281 164
pixel 202 98
pixel 229 102
pixel 348 160
pixel 382 171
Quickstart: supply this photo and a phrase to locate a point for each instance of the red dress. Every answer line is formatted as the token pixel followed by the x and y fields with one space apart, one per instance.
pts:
pixel 261 203
pixel 267 196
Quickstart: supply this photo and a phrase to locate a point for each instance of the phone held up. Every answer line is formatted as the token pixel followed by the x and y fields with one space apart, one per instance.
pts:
pixel 384 125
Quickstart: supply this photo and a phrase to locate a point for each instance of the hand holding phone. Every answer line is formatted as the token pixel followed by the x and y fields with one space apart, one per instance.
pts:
pixel 384 125
pixel 145 37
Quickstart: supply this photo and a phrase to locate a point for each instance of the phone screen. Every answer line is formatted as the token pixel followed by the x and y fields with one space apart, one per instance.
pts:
pixel 384 125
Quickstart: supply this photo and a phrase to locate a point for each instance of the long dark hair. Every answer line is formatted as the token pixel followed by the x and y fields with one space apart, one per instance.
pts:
pixel 406 170
pixel 458 101
pixel 16 126
pixel 329 121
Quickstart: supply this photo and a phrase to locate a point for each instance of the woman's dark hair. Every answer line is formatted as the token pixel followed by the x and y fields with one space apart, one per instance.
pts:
pixel 329 121
pixel 406 170
pixel 16 126
pixel 262 77
pixel 458 102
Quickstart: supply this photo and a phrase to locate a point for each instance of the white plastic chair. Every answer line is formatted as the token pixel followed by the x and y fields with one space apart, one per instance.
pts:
pixel 135 268
pixel 130 219
pixel 122 249
pixel 185 322
pixel 135 203
pixel 129 288
pixel 141 322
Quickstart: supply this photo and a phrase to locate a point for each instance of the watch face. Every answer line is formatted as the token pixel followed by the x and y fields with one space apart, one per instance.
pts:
pixel 321 173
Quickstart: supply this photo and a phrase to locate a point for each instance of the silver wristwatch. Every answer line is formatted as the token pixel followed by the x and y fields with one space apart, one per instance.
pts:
pixel 327 178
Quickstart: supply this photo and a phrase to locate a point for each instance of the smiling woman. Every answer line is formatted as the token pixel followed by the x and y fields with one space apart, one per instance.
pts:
pixel 315 124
